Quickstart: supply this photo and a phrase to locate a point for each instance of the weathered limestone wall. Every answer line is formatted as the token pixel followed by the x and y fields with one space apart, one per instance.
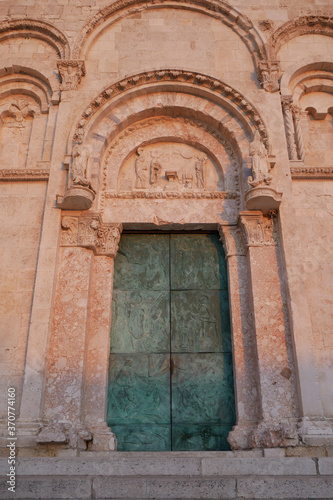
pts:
pixel 314 208
pixel 22 207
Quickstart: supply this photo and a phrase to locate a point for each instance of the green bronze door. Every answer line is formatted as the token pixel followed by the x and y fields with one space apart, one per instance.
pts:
pixel 170 377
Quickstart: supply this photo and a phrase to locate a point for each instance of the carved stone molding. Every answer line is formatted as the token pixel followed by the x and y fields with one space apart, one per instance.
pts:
pixel 71 72
pixel 269 72
pixel 258 230
pixel 312 173
pixel 24 175
pixel 232 241
pixel 173 76
pixel 90 232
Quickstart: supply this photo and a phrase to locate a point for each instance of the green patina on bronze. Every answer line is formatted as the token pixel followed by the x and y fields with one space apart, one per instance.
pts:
pixel 170 377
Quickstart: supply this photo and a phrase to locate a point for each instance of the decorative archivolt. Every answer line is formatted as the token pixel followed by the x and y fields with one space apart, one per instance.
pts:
pixel 16 80
pixel 176 81
pixel 221 10
pixel 307 25
pixel 41 30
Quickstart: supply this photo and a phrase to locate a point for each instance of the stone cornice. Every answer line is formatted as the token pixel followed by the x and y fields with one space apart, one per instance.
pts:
pixel 312 173
pixel 89 231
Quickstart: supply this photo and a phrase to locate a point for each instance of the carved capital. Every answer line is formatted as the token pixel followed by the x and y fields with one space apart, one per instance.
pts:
pixel 287 102
pixel 232 241
pixel 257 229
pixel 296 111
pixel 91 232
pixel 269 75
pixel 71 72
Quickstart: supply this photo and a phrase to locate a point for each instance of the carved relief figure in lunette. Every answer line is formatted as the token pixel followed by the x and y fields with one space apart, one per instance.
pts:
pixel 141 169
pixel 200 171
pixel 260 169
pixel 155 172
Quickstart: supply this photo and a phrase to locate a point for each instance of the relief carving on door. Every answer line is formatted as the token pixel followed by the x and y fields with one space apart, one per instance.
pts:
pixel 170 376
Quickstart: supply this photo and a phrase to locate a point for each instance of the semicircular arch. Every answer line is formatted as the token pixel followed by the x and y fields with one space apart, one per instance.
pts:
pixel 37 29
pixel 221 10
pixel 317 25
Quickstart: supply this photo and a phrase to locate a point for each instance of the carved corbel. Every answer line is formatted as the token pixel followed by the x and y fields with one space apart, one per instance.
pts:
pixel 71 72
pixel 268 72
pixel 258 230
pixel 91 232
pixel 232 241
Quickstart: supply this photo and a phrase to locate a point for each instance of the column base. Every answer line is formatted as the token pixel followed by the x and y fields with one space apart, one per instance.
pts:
pixel 275 435
pixel 103 438
pixel 240 438
pixel 63 433
pixel 316 431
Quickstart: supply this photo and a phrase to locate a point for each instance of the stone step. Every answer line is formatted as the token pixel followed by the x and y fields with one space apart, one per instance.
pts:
pixel 169 476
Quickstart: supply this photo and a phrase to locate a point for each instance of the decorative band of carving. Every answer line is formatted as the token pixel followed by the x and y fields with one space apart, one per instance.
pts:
pixel 172 76
pixel 312 173
pixel 90 232
pixel 24 175
pixel 172 194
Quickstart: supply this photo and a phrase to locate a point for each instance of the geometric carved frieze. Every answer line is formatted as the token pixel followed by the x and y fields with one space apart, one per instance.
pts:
pixel 171 195
pixel 312 173
pixel 258 230
pixel 90 232
pixel 36 174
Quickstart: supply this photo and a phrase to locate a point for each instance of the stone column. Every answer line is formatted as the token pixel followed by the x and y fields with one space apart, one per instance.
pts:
pixel 245 370
pixel 77 371
pixel 98 344
pixel 296 112
pixel 289 125
pixel 277 383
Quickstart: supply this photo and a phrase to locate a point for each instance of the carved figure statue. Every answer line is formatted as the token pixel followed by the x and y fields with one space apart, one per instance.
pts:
pixel 200 171
pixel 81 157
pixel 141 169
pixel 260 169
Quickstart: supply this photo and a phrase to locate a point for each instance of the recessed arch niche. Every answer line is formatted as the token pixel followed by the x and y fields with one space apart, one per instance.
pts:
pixel 175 107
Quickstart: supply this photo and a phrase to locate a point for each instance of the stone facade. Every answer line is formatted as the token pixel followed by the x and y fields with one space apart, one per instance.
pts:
pixel 131 115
